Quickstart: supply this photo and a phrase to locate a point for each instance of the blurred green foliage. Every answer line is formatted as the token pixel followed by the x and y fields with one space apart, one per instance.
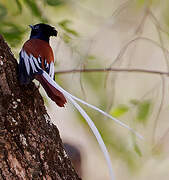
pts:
pixel 147 2
pixel 35 10
pixel 16 15
pixel 119 110
pixel 54 2
pixel 65 25
pixel 137 149
pixel 3 11
pixel 13 33
pixel 143 111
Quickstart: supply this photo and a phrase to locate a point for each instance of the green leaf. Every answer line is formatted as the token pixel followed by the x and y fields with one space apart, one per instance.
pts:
pixel 95 80
pixel 3 11
pixel 143 111
pixel 66 38
pixel 35 9
pixel 19 5
pixel 119 110
pixel 91 57
pixel 137 149
pixel 134 102
pixel 64 24
pixel 141 2
pixel 13 33
pixel 54 2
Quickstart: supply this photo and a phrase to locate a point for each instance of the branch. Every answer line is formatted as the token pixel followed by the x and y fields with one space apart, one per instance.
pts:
pixel 112 70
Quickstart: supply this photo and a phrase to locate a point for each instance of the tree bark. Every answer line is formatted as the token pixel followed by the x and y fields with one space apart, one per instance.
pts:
pixel 30 145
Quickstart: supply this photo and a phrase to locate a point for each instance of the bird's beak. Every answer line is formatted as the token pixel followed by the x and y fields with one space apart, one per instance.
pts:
pixel 31 26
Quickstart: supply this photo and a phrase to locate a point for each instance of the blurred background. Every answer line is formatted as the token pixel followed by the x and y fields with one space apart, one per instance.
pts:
pixel 130 34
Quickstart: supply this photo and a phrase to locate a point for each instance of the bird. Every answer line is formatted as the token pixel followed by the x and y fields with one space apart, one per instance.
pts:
pixel 36 61
pixel 36 57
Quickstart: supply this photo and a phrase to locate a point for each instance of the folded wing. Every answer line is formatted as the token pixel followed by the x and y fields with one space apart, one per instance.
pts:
pixel 32 66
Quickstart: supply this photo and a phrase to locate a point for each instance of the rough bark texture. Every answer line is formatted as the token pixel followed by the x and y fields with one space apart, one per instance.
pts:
pixel 30 146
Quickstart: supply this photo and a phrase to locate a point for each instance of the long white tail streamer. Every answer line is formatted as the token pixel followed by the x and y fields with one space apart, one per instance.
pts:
pixel 96 133
pixel 89 105
pixel 72 99
pixel 88 120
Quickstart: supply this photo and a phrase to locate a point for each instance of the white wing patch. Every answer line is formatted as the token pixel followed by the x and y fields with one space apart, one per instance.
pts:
pixel 26 61
pixel 31 63
pixel 39 59
pixel 51 70
pixel 35 61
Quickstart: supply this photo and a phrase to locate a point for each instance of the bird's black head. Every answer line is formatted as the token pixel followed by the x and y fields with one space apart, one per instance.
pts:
pixel 42 31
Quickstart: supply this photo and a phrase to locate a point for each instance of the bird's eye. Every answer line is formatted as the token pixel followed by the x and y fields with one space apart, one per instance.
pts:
pixel 36 27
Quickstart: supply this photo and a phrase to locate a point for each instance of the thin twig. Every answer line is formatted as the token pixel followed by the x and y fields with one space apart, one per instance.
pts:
pixel 120 8
pixel 159 31
pixel 92 70
pixel 123 50
pixel 139 31
pixel 162 46
pixel 161 140
pixel 157 23
pixel 140 27
pixel 159 109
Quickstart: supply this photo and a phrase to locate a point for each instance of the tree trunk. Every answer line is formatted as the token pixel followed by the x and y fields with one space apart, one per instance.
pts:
pixel 30 145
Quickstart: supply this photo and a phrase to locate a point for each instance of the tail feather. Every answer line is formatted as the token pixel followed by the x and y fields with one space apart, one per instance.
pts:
pixel 54 85
pixel 97 135
pixel 73 100
pixel 51 91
